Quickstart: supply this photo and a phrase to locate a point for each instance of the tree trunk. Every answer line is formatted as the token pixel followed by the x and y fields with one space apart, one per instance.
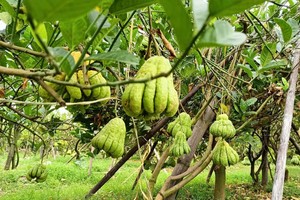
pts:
pixel 198 132
pixel 265 162
pixel 286 128
pixel 220 179
pixel 10 156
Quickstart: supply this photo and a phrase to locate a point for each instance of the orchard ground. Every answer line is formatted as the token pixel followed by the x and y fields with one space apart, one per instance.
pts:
pixel 71 181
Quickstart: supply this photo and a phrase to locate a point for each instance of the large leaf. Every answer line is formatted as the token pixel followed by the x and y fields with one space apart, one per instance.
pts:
pixel 274 64
pixel 200 13
pixel 286 29
pixel 74 31
pixel 7 7
pixel 180 21
pixel 267 53
pixel 116 56
pixel 63 58
pixel 229 7
pixel 123 6
pixel 53 10
pixel 221 34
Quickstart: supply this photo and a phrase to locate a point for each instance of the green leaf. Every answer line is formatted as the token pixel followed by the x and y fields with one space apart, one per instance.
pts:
pixel 243 105
pixel 57 10
pixel 285 84
pixel 116 56
pixel 74 31
pixel 294 25
pixel 123 6
pixel 222 34
pixel 180 21
pixel 246 69
pixel 219 8
pixel 274 64
pixel 251 101
pixel 267 53
pixel 286 29
pixel 63 57
pixel 7 7
pixel 200 13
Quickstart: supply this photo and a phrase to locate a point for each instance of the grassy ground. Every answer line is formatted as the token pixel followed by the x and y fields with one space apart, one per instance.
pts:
pixel 71 181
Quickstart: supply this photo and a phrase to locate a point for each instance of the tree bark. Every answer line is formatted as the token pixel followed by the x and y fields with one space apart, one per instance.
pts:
pixel 265 162
pixel 220 179
pixel 183 162
pixel 286 129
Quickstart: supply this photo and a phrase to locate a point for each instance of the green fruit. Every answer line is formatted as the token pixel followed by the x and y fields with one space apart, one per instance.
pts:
pixel 94 79
pixel 222 127
pixel 28 177
pixel 223 156
pixel 80 77
pixel 126 100
pixel 136 97
pixel 56 87
pixel 74 92
pixel 43 177
pixel 161 95
pixel 112 134
pixel 173 102
pixel 34 171
pixel 149 95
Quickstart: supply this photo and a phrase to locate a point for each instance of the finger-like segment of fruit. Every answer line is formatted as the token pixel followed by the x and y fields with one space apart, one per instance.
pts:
pixel 109 141
pixel 126 101
pixel 34 171
pixel 28 177
pixel 94 79
pixel 150 116
pixel 105 91
pixel 161 95
pixel 173 101
pixel 223 156
pixel 76 55
pixel 74 92
pixel 136 97
pixel 222 127
pixel 149 94
pixel 80 77
pixel 118 152
pixel 232 155
pixel 216 153
pixel 43 177
pixel 56 87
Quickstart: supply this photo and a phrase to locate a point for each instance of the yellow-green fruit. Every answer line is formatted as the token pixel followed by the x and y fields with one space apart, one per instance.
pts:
pixel 161 95
pixel 74 92
pixel 173 101
pixel 80 77
pixel 222 127
pixel 56 87
pixel 182 123
pixel 136 97
pixel 223 156
pixel 43 177
pixel 94 79
pixel 126 100
pixel 76 55
pixel 113 132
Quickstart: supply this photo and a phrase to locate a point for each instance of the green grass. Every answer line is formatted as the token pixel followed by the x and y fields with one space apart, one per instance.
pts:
pixel 71 181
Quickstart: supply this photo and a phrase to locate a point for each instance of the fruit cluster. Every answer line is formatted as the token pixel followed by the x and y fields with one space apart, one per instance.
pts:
pixel 182 123
pixel 111 138
pixel 222 127
pixel 94 78
pixel 38 173
pixel 151 99
pixel 224 154
pixel 180 145
pixel 72 93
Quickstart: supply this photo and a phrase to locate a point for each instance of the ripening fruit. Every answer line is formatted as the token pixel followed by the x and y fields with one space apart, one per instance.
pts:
pixel 222 127
pixel 151 99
